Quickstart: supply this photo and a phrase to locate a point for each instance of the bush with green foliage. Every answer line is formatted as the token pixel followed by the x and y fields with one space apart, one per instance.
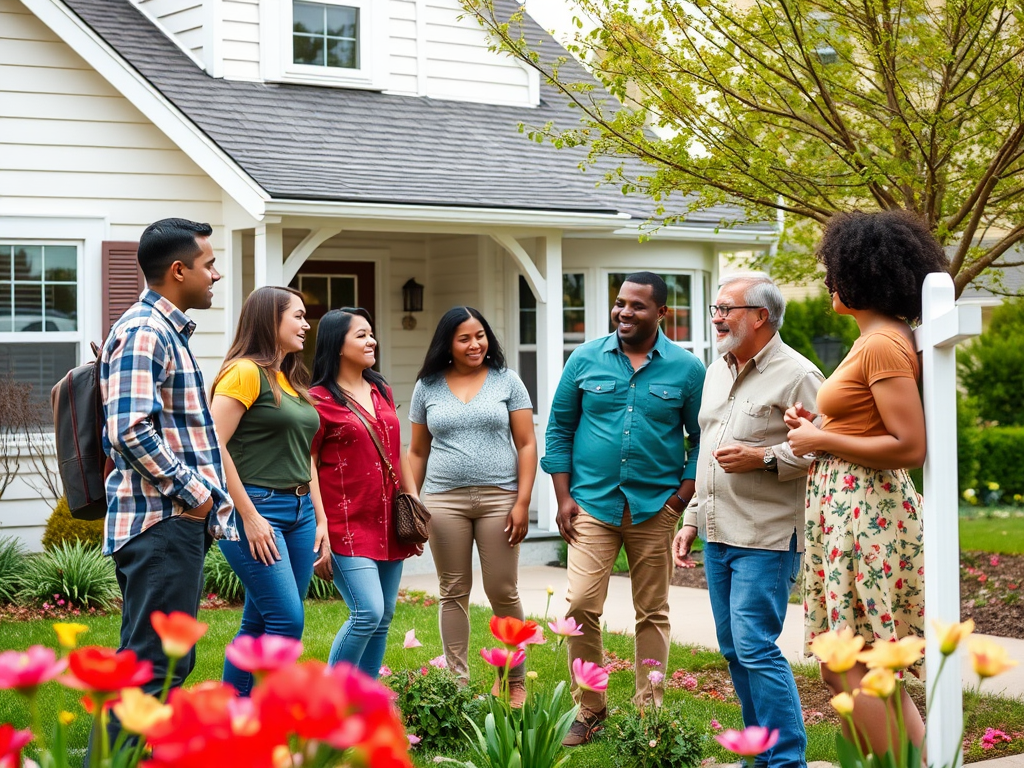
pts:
pixel 62 527
pixel 813 318
pixel 78 572
pixel 999 452
pixel 658 737
pixel 434 706
pixel 991 366
pixel 12 568
pixel 221 580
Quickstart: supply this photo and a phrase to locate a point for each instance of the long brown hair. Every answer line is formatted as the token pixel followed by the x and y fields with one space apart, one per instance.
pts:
pixel 256 340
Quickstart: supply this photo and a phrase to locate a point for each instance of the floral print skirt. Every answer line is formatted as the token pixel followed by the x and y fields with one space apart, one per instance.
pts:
pixel 864 561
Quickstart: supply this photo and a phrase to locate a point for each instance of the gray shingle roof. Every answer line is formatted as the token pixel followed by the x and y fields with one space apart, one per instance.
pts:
pixel 315 143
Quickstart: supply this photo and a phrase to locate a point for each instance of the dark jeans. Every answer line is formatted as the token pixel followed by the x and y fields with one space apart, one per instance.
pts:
pixel 749 591
pixel 161 569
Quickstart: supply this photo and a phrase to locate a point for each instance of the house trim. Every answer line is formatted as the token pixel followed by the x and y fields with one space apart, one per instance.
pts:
pixel 147 99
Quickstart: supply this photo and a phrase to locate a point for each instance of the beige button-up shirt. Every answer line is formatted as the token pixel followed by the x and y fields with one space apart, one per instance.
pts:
pixel 759 509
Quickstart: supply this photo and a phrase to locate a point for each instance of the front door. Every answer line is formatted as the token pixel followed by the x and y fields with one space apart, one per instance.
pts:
pixel 327 285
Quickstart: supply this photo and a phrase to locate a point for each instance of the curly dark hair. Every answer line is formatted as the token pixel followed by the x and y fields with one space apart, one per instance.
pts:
pixel 879 261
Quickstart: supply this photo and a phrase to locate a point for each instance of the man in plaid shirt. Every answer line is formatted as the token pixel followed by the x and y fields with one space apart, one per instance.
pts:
pixel 166 497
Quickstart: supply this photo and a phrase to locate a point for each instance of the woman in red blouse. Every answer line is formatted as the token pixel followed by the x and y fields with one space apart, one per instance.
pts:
pixel 356 486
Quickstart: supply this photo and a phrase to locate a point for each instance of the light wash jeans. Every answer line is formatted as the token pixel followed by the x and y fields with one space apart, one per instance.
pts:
pixel 749 591
pixel 370 590
pixel 273 593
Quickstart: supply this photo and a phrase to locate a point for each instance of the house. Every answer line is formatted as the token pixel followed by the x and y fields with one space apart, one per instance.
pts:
pixel 347 147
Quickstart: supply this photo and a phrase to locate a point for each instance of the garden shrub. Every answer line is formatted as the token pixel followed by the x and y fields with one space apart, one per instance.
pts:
pixel 12 568
pixel 999 452
pixel 434 706
pixel 966 443
pixel 76 572
pixel 813 318
pixel 62 527
pixel 220 579
pixel 658 737
pixel 991 367
pixel 322 590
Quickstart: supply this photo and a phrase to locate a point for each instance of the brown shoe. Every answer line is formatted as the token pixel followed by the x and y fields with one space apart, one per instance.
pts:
pixel 583 729
pixel 516 693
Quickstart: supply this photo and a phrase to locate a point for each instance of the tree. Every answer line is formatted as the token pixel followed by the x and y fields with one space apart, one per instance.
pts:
pixel 809 107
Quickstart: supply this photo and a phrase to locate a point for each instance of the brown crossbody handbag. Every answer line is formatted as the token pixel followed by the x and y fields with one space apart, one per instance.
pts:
pixel 411 517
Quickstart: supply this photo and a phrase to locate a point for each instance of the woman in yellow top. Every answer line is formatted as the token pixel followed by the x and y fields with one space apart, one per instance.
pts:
pixel 864 565
pixel 266 422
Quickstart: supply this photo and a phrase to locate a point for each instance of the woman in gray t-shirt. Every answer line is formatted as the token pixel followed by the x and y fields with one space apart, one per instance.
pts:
pixel 473 458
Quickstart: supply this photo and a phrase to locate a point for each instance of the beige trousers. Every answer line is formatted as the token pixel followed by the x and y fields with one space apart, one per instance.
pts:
pixel 649 551
pixel 458 518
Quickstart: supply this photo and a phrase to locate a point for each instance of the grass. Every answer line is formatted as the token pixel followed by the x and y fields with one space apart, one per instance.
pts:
pixel 323 618
pixel 996 531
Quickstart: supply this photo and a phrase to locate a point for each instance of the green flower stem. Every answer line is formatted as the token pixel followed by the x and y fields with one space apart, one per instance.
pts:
pixel 167 679
pixel 37 721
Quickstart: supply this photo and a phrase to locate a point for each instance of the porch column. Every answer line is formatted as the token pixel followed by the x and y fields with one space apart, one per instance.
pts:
pixel 233 280
pixel 269 265
pixel 549 358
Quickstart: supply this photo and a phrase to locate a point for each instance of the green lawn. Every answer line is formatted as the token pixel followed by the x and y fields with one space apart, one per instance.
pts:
pixel 993 532
pixel 324 618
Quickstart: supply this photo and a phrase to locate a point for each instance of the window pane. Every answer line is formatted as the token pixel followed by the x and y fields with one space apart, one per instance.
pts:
pixel 61 262
pixel 526 298
pixel 342 21
pixel 528 373
pixel 61 307
pixel 28 307
pixel 342 53
pixel 678 290
pixel 308 18
pixel 5 262
pixel 308 50
pixel 38 366
pixel 528 326
pixel 5 308
pixel 343 292
pixel 28 262
pixel 574 325
pixel 677 324
pixel 572 290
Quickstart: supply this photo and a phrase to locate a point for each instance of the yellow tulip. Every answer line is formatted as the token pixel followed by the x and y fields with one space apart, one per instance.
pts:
pixel 842 703
pixel 67 634
pixel 837 649
pixel 139 712
pixel 950 635
pixel 879 682
pixel 899 655
pixel 65 717
pixel 989 659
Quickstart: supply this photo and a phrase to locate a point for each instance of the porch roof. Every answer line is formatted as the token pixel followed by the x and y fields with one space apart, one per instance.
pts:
pixel 332 144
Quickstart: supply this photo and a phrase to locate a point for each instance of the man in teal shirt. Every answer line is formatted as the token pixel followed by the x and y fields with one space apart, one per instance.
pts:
pixel 617 455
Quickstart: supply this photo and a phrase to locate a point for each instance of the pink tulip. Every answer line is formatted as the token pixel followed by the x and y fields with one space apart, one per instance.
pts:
pixel 440 662
pixel 752 740
pixel 499 657
pixel 589 676
pixel 384 671
pixel 411 641
pixel 265 653
pixel 537 639
pixel 25 671
pixel 565 627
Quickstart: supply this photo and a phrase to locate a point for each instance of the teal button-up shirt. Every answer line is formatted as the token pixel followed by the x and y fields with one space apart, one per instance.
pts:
pixel 620 433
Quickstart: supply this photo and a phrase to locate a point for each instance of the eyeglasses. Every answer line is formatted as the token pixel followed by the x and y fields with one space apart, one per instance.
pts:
pixel 725 309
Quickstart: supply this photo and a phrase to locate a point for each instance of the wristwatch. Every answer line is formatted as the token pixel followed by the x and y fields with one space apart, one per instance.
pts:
pixel 770 462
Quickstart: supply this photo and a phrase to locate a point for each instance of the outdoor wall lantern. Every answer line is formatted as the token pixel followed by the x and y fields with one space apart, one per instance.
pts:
pixel 412 301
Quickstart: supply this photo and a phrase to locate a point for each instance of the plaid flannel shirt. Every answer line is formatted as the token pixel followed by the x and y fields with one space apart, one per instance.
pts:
pixel 158 429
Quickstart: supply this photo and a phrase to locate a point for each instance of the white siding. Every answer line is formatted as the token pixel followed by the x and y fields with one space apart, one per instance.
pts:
pixel 240 30
pixel 181 19
pixel 403 47
pixel 73 147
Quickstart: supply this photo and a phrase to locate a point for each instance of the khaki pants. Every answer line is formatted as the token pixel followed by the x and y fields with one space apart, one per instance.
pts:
pixel 649 550
pixel 458 518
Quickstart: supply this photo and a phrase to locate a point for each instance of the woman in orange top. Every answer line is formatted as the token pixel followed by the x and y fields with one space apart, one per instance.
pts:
pixel 864 564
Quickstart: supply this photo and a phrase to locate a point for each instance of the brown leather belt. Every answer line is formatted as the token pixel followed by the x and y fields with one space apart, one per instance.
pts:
pixel 298 490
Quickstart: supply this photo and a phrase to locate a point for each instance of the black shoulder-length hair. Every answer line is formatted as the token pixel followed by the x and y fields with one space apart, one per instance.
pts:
pixel 330 337
pixel 439 354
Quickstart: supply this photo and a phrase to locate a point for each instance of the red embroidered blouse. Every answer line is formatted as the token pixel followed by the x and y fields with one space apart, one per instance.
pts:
pixel 356 487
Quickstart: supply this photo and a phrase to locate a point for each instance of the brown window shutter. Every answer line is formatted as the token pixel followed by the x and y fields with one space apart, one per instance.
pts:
pixel 122 279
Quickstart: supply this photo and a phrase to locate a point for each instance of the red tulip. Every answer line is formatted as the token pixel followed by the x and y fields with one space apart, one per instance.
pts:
pixel 11 744
pixel 512 632
pixel 752 740
pixel 24 671
pixel 178 632
pixel 105 670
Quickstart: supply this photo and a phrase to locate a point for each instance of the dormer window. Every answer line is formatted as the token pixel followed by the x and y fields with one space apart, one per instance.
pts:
pixel 325 35
pixel 343 43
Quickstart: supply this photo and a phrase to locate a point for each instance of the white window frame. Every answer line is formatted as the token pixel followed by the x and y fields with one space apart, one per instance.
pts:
pixel 276 55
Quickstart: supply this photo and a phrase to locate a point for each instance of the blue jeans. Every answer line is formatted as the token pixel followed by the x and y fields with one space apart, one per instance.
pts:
pixel 749 590
pixel 273 593
pixel 370 590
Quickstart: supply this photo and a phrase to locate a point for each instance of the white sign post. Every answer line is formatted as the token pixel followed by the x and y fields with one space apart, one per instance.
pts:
pixel 943 325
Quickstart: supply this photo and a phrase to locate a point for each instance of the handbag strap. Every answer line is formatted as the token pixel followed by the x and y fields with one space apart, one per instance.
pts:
pixel 376 439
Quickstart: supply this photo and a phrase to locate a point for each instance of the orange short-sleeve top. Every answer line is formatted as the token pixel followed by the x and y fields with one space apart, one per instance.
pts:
pixel 845 400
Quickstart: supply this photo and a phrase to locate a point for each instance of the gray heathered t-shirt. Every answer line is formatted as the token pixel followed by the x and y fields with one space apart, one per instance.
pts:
pixel 472 442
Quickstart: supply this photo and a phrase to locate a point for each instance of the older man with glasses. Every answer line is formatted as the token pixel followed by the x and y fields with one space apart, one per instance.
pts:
pixel 749 503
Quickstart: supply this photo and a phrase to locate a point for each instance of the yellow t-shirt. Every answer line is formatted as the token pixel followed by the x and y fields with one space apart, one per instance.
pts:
pixel 241 381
